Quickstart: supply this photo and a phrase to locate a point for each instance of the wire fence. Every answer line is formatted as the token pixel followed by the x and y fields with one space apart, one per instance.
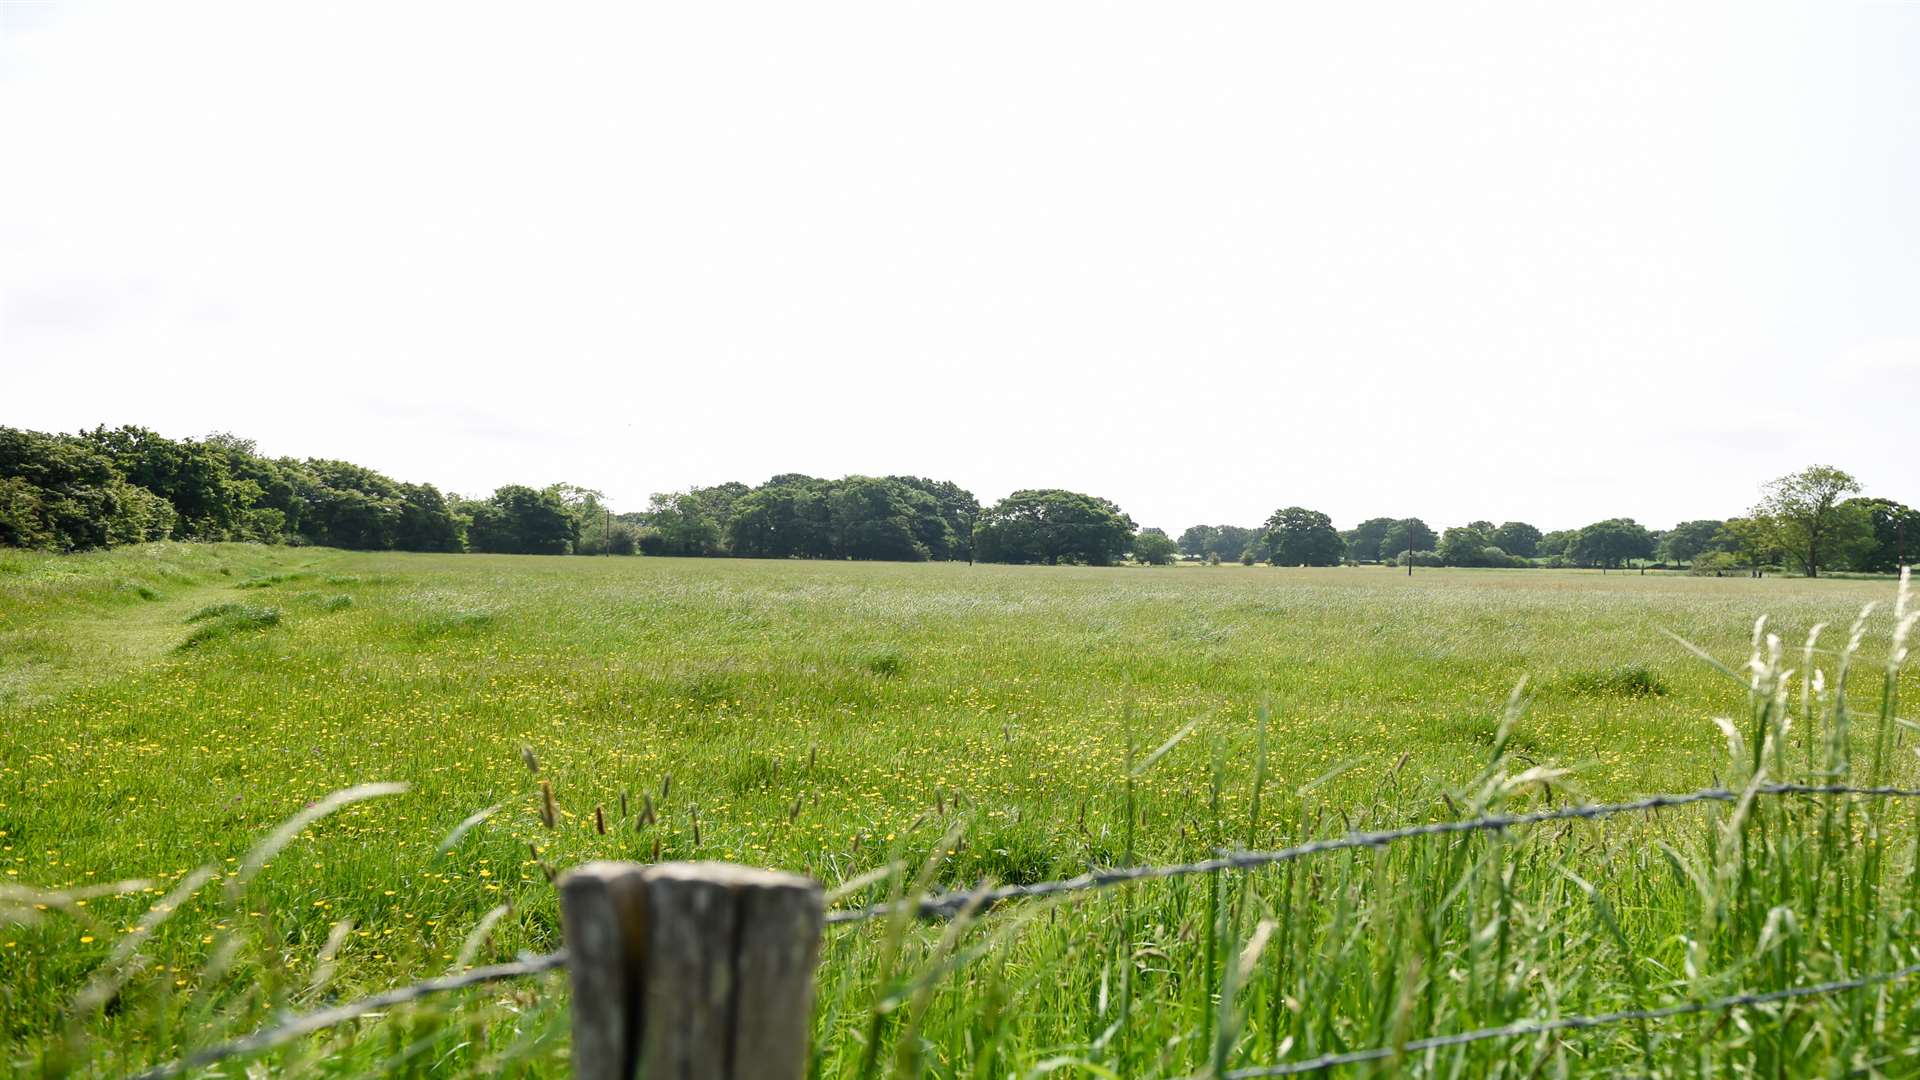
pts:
pixel 947 904
pixel 308 1023
pixel 1572 1023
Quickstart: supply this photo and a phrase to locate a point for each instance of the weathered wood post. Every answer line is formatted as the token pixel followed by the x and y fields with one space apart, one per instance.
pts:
pixel 690 970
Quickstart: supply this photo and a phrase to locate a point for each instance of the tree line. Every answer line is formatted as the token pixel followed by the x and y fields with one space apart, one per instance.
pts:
pixel 113 486
pixel 1808 521
pixel 125 485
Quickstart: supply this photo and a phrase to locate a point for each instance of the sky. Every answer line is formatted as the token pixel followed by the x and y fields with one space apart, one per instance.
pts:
pixel 1552 263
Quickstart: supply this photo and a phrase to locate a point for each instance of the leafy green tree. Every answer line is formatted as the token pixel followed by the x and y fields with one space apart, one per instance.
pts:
pixel 1199 541
pixel 1297 536
pixel 1612 543
pixel 1405 535
pixel 1154 547
pixel 957 509
pixel 190 474
pixel 427 521
pixel 788 516
pixel 1688 540
pixel 1557 543
pixel 685 523
pixel 1896 535
pixel 1517 538
pixel 1752 541
pixel 1465 545
pixel 63 493
pixel 1364 540
pixel 520 520
pixel 1804 511
pixel 873 518
pixel 1052 526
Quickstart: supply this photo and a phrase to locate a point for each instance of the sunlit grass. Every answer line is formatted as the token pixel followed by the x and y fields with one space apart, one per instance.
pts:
pixel 831 717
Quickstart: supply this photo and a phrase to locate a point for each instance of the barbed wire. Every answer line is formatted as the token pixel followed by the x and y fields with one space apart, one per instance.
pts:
pixel 1572 1023
pixel 308 1023
pixel 947 904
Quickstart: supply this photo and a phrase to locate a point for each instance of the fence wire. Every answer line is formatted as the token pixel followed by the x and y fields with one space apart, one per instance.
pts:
pixel 947 904
pixel 308 1023
pixel 1572 1023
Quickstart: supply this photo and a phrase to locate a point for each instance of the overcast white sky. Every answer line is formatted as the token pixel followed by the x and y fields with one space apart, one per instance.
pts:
pixel 1549 262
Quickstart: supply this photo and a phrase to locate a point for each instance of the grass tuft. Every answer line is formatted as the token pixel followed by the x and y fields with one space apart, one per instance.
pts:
pixel 218 621
pixel 1627 681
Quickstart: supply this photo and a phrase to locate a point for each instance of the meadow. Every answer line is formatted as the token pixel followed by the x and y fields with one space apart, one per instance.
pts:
pixel 165 707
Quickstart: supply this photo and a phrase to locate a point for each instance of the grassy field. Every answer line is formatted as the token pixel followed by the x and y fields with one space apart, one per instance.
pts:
pixel 165 708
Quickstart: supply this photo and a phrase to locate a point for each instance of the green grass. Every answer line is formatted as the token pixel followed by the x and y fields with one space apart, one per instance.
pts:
pixel 833 717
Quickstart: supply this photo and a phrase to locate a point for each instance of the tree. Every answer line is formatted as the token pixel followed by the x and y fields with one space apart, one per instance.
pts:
pixel 1407 534
pixel 685 524
pixel 1688 540
pixel 190 474
pixel 1751 540
pixel 62 493
pixel 955 507
pixel 1465 545
pixel 1226 541
pixel 1555 544
pixel 1363 540
pixel 872 518
pixel 1154 547
pixel 1296 536
pixel 1896 535
pixel 520 520
pixel 1199 541
pixel 1518 538
pixel 1803 510
pixel 1051 526
pixel 1612 543
pixel 786 517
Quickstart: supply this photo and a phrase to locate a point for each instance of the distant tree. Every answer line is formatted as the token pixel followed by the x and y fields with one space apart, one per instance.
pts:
pixel 1200 541
pixel 1752 541
pixel 1226 541
pixel 873 518
pixel 1487 527
pixel 1686 541
pixel 1297 536
pixel 1407 534
pixel 63 493
pixel 955 508
pixel 1466 545
pixel 1556 544
pixel 1804 512
pixel 1518 538
pixel 427 521
pixel 788 516
pixel 685 523
pixel 190 474
pixel 1052 526
pixel 1612 543
pixel 1363 540
pixel 520 520
pixel 1896 535
pixel 1154 547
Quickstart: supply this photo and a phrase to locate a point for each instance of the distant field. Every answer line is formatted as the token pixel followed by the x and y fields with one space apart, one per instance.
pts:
pixel 813 716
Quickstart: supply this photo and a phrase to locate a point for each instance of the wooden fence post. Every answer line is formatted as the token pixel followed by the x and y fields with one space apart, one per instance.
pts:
pixel 690 970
